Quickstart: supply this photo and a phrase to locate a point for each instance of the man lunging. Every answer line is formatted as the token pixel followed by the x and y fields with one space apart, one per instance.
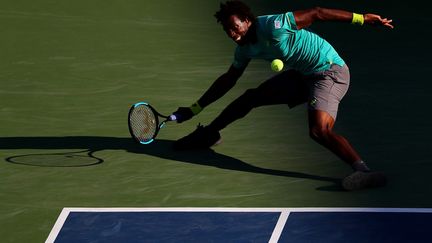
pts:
pixel 317 75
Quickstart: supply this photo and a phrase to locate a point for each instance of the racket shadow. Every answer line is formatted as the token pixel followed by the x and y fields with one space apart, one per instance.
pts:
pixel 85 156
pixel 160 148
pixel 66 159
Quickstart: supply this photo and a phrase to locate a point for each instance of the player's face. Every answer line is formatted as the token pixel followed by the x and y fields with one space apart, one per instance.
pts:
pixel 237 29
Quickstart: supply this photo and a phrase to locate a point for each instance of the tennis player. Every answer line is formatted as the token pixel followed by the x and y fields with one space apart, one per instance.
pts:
pixel 317 75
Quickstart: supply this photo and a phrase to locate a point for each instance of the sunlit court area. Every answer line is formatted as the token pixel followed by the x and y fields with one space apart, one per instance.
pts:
pixel 71 172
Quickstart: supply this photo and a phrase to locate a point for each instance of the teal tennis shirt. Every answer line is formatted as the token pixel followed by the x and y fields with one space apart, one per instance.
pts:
pixel 279 38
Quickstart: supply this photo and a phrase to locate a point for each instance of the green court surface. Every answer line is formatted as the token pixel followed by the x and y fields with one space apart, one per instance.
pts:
pixel 70 70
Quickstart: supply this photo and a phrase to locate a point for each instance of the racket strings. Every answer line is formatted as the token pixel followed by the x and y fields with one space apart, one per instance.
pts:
pixel 143 123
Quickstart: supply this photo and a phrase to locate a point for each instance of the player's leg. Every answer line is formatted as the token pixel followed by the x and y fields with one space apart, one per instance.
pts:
pixel 321 130
pixel 327 90
pixel 285 88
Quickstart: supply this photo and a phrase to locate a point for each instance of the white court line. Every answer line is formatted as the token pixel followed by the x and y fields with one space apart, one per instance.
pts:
pixel 285 212
pixel 186 209
pixel 226 209
pixel 58 225
pixel 277 232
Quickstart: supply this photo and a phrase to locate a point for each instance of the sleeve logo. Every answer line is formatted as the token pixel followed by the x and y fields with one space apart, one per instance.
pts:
pixel 277 24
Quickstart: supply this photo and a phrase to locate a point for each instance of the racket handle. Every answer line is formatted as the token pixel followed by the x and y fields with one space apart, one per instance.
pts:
pixel 172 118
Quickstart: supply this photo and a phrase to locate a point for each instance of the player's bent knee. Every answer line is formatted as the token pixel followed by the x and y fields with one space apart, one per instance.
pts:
pixel 319 134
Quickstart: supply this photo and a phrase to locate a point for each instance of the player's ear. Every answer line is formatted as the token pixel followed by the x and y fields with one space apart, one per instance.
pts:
pixel 248 22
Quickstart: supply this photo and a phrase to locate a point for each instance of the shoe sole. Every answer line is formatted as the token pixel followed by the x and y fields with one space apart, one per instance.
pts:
pixel 361 180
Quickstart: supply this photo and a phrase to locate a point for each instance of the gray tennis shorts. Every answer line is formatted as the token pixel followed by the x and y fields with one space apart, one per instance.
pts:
pixel 327 88
pixel 321 90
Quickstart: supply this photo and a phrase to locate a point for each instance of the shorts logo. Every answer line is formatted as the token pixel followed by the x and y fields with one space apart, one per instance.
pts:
pixel 313 102
pixel 277 24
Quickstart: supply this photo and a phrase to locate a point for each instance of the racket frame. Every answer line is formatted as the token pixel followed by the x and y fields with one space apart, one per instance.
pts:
pixel 156 114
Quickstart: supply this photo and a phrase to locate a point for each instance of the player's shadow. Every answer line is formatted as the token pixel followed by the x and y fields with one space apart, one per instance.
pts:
pixel 208 157
pixel 160 148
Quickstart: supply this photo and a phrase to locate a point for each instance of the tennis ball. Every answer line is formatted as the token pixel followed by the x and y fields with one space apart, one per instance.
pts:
pixel 277 65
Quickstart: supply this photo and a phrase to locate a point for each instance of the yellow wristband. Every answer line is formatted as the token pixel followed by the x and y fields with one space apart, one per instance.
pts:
pixel 357 19
pixel 196 108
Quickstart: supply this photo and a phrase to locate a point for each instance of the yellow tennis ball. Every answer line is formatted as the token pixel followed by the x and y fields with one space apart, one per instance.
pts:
pixel 277 65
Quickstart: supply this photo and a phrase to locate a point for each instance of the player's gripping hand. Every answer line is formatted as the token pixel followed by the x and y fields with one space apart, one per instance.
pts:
pixel 185 113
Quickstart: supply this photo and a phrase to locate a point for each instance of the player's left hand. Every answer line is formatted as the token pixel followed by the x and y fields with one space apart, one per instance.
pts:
pixel 375 19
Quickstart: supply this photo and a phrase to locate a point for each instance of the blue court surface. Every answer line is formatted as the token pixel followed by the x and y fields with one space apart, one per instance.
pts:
pixel 297 225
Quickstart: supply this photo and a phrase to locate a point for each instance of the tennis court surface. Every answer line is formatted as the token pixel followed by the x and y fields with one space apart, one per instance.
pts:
pixel 72 69
pixel 242 225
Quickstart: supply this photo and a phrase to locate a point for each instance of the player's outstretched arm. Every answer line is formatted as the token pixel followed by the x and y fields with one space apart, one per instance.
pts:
pixel 218 89
pixel 305 18
pixel 221 86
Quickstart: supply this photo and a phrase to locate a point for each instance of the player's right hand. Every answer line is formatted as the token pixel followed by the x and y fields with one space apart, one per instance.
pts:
pixel 183 114
pixel 375 19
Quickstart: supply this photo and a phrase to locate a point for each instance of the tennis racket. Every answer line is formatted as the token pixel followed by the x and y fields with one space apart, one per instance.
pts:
pixel 144 123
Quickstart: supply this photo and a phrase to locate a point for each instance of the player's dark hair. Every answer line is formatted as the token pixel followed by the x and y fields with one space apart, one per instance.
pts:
pixel 234 7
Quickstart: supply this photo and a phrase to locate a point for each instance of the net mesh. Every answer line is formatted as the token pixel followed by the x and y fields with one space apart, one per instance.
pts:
pixel 143 123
